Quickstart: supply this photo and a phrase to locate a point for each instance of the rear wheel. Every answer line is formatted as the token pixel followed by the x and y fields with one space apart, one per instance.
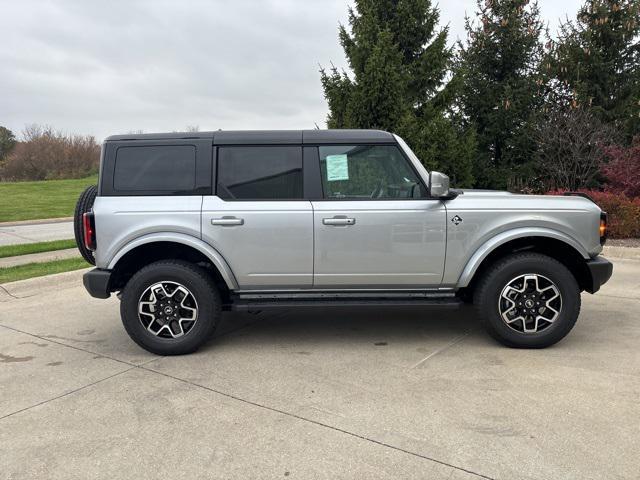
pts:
pixel 84 205
pixel 170 307
pixel 528 300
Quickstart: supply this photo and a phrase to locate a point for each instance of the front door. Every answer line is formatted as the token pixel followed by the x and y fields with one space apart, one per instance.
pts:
pixel 375 227
pixel 258 220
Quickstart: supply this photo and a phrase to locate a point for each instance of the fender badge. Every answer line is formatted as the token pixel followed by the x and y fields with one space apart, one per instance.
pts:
pixel 456 220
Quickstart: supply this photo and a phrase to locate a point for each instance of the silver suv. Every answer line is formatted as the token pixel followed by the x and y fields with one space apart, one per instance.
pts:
pixel 187 225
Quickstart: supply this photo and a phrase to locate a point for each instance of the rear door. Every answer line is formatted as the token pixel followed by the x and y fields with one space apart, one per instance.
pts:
pixel 258 219
pixel 375 226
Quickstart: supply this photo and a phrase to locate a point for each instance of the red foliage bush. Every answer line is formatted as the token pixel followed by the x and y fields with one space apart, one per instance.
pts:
pixel 623 212
pixel 623 169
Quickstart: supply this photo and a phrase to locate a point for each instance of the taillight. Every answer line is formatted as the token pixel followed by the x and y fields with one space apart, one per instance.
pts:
pixel 89 228
pixel 603 228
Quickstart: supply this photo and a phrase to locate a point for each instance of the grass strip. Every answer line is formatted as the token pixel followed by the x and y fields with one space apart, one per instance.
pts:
pixel 30 270
pixel 44 199
pixel 28 248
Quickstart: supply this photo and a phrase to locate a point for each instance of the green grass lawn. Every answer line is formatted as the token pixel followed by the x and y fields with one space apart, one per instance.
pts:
pixel 27 248
pixel 21 272
pixel 46 199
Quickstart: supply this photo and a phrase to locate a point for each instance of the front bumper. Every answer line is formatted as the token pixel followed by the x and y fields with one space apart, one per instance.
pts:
pixel 600 270
pixel 96 282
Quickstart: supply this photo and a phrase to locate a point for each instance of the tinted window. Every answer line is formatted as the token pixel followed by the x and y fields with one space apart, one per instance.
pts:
pixel 367 172
pixel 246 173
pixel 170 168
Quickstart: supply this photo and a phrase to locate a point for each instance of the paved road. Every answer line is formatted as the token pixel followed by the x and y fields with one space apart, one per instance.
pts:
pixel 32 233
pixel 331 394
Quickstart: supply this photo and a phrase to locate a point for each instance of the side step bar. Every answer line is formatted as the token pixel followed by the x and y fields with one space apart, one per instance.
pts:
pixel 245 302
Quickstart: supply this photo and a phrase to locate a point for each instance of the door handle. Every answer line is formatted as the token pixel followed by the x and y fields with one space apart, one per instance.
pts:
pixel 227 221
pixel 338 221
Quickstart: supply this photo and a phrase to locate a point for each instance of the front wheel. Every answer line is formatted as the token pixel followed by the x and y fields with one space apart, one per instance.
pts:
pixel 528 300
pixel 170 307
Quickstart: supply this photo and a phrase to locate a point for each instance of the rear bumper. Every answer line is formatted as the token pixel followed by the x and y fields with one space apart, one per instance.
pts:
pixel 96 282
pixel 600 269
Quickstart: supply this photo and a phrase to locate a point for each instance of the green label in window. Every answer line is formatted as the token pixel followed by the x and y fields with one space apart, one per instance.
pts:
pixel 337 168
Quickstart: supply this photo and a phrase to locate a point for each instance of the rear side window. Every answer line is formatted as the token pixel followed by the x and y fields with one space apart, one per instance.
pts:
pixel 259 173
pixel 167 168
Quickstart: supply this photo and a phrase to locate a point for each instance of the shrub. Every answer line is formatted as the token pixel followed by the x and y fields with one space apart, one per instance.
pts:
pixel 623 169
pixel 623 212
pixel 45 154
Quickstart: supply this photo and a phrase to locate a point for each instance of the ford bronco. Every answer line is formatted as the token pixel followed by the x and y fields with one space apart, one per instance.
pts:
pixel 185 225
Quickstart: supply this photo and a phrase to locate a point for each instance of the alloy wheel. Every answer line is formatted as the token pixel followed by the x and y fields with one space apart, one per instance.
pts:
pixel 168 309
pixel 530 303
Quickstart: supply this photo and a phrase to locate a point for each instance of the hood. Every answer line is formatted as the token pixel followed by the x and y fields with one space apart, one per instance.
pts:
pixel 484 193
pixel 524 200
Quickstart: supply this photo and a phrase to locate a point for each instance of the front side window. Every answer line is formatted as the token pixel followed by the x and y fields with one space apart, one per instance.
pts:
pixel 259 173
pixel 367 172
pixel 166 168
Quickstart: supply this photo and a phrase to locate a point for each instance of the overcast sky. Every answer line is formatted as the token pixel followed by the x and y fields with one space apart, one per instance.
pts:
pixel 104 67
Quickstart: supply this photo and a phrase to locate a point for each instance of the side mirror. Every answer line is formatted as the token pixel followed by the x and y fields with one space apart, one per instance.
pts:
pixel 438 185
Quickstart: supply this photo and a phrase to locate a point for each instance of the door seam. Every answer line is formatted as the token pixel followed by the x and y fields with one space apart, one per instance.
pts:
pixel 313 245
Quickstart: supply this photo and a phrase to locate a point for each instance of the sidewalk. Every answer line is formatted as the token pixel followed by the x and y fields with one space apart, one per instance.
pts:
pixel 36 221
pixel 39 257
pixel 33 231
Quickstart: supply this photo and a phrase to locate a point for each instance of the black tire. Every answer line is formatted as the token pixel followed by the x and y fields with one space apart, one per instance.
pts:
pixel 196 281
pixel 488 292
pixel 84 205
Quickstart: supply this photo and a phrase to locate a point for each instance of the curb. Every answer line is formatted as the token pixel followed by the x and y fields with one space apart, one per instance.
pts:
pixel 628 253
pixel 36 285
pixel 42 221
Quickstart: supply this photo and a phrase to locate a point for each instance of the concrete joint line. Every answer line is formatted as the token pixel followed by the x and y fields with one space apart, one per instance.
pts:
pixel 46 339
pixel 458 339
pixel 239 399
pixel 320 424
pixel 66 394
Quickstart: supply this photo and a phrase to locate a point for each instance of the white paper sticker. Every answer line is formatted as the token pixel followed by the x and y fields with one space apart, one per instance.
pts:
pixel 337 167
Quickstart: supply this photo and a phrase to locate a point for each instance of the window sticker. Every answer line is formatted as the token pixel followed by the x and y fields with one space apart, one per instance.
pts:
pixel 337 168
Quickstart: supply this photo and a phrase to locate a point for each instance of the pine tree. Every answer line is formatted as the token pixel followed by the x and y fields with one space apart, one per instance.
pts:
pixel 399 62
pixel 7 142
pixel 596 60
pixel 503 89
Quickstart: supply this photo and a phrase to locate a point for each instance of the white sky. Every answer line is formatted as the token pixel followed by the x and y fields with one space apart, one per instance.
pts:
pixel 105 67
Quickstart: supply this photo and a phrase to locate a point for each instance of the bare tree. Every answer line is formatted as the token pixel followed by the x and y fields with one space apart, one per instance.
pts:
pixel 571 147
pixel 44 154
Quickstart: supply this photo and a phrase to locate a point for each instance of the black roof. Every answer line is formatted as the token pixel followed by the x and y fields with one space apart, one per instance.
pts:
pixel 268 137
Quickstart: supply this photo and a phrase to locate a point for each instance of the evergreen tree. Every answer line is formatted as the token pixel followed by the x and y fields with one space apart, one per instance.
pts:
pixel 503 89
pixel 7 142
pixel 597 62
pixel 399 61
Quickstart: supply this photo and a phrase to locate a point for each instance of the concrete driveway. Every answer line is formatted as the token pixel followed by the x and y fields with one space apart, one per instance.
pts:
pixel 329 394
